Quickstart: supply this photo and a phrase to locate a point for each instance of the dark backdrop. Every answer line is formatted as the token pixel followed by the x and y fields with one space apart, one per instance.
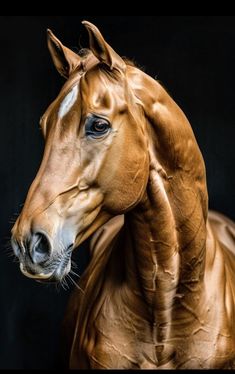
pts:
pixel 193 56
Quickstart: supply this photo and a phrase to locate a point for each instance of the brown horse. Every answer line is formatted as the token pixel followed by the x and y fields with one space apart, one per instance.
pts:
pixel 122 166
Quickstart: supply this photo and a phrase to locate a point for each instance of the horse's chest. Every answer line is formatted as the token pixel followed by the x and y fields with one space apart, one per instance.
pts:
pixel 123 339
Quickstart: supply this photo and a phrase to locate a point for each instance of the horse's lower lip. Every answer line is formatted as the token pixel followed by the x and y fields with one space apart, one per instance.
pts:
pixel 39 276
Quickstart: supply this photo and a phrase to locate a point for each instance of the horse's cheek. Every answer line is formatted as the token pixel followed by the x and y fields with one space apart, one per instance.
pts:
pixel 125 189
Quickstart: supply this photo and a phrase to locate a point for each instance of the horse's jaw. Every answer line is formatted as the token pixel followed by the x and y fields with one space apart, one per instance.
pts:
pixel 92 229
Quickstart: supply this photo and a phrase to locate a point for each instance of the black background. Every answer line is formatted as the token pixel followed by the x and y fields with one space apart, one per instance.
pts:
pixel 193 56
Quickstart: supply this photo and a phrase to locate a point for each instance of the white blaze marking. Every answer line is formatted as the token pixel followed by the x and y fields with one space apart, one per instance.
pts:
pixel 68 102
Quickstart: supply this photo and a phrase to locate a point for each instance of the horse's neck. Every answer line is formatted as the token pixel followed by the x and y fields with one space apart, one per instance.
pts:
pixel 168 227
pixel 154 245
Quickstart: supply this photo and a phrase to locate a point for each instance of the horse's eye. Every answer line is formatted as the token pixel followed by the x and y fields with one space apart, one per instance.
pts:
pixel 99 125
pixel 96 127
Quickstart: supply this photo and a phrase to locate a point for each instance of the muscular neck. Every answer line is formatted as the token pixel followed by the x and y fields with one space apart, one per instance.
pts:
pixel 155 244
pixel 168 252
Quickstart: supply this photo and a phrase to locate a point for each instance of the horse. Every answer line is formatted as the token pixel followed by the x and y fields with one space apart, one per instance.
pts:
pixel 122 167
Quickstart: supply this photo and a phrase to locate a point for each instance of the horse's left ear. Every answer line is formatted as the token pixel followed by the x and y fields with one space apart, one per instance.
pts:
pixel 65 60
pixel 102 50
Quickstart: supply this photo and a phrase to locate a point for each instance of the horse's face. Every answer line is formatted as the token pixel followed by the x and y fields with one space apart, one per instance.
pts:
pixel 95 163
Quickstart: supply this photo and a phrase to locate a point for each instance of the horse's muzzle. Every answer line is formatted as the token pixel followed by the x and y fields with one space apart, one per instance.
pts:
pixel 39 261
pixel 37 248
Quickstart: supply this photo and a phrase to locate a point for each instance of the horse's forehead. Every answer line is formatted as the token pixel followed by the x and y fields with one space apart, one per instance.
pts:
pixel 100 90
pixel 95 89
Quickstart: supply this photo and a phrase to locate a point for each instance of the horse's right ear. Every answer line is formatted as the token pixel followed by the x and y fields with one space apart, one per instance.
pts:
pixel 65 60
pixel 102 50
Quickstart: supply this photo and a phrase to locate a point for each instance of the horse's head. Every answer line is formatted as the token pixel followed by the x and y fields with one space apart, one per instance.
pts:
pixel 95 163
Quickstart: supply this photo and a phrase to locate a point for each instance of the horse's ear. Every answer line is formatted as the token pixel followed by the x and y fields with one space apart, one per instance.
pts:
pixel 65 60
pixel 102 50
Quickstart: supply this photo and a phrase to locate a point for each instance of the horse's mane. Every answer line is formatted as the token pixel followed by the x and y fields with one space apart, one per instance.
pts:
pixel 84 53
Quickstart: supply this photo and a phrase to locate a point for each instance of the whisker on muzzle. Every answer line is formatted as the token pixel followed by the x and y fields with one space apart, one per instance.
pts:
pixel 75 284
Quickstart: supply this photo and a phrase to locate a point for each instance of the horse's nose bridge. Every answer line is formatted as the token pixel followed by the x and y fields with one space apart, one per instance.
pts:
pixel 43 191
pixel 33 213
pixel 58 171
pixel 42 204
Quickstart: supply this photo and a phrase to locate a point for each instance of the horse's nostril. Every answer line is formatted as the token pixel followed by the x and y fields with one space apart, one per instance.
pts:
pixel 41 249
pixel 42 244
